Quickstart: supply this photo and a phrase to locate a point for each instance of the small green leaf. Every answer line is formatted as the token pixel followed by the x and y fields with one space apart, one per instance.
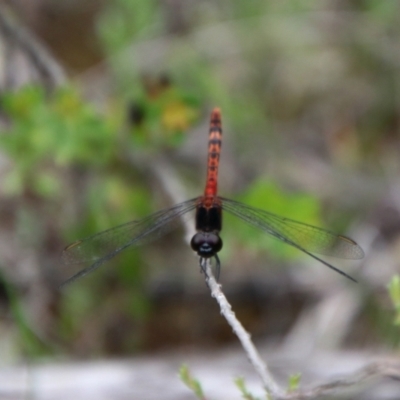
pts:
pixel 190 382
pixel 394 290
pixel 241 385
pixel 294 382
pixel 394 293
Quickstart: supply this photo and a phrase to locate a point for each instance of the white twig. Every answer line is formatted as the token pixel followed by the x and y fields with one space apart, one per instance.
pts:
pixel 361 377
pixel 259 365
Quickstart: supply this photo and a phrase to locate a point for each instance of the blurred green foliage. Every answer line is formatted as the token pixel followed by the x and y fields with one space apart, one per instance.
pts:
pixel 394 293
pixel 161 113
pixel 61 151
pixel 267 195
pixel 28 342
pixel 124 20
pixel 60 131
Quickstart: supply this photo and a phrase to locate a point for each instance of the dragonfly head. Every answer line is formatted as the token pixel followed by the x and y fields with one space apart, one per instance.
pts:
pixel 206 244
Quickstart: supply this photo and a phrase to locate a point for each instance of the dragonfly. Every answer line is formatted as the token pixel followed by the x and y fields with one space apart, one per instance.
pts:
pixel 101 247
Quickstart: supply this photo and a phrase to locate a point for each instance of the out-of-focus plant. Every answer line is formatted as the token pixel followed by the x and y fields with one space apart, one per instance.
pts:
pixel 44 133
pixel 241 385
pixel 29 342
pixel 192 383
pixel 123 20
pixel 71 157
pixel 268 196
pixel 294 382
pixel 394 293
pixel 161 114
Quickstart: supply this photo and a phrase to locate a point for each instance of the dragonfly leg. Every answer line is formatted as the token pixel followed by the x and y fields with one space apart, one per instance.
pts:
pixel 217 267
pixel 203 265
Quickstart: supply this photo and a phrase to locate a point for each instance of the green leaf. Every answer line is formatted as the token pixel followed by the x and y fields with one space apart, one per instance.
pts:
pixel 190 382
pixel 241 384
pixel 294 382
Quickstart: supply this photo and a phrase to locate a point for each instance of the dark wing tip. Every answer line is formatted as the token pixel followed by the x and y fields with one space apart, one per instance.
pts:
pixel 70 246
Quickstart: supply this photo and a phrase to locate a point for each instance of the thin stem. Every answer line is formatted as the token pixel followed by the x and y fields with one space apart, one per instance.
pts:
pixel 259 365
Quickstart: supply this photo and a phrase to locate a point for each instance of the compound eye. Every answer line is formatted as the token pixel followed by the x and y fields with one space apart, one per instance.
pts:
pixel 206 244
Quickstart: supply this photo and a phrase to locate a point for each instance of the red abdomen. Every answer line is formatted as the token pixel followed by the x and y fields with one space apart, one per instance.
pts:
pixel 214 150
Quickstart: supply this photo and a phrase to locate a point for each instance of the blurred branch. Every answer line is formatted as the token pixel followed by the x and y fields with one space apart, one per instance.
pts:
pixel 41 63
pixel 330 318
pixel 362 376
pixel 172 186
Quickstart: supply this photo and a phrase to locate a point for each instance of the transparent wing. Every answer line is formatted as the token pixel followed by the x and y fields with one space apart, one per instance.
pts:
pixel 105 245
pixel 305 237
